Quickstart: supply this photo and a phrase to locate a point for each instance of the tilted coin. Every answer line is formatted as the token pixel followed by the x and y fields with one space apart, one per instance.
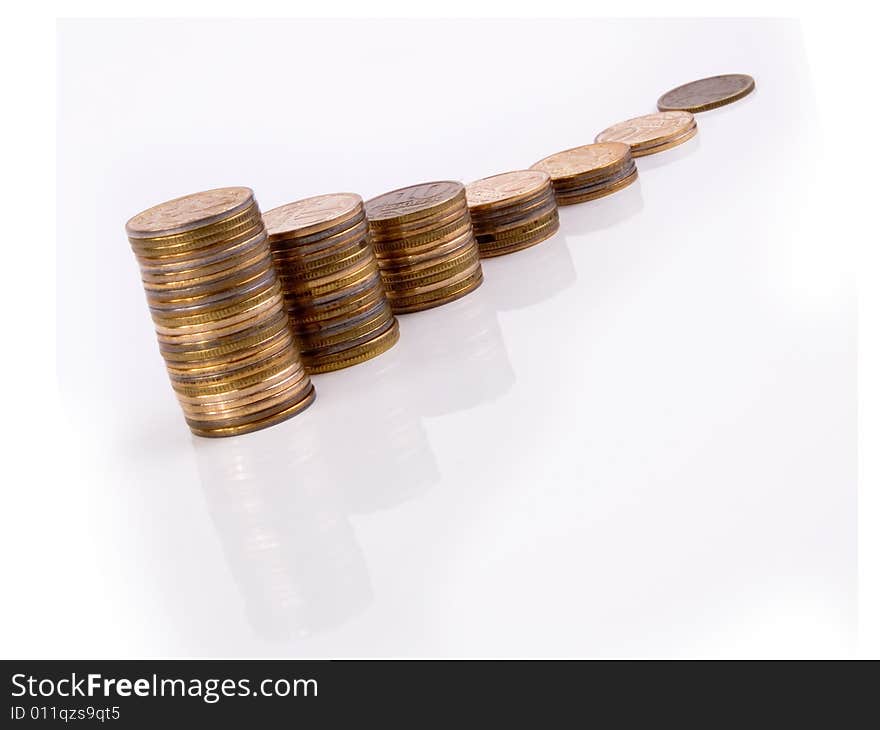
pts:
pixel 652 132
pixel 413 201
pixel 312 215
pixel 189 212
pixel 708 93
pixel 587 162
pixel 507 188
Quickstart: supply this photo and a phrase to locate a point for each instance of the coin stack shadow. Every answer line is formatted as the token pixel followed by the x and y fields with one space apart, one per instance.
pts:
pixel 219 312
pixel 589 172
pixel 512 211
pixel 425 246
pixel 332 286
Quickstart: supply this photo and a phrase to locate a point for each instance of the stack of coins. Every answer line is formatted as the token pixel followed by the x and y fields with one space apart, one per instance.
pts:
pixel 332 287
pixel 652 133
pixel 589 172
pixel 425 245
pixel 512 211
pixel 219 313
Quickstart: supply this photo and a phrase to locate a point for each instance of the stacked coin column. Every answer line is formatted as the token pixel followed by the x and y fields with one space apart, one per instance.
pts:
pixel 332 287
pixel 512 211
pixel 425 245
pixel 219 313
pixel 589 172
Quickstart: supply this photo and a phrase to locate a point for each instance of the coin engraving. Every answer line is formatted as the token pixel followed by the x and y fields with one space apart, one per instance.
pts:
pixel 308 212
pixel 412 199
pixel 584 159
pixel 189 210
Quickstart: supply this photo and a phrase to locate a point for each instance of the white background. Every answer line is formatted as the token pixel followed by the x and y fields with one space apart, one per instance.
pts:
pixel 637 438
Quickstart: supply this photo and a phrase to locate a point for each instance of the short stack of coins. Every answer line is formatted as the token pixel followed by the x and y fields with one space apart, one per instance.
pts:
pixel 512 211
pixel 219 313
pixel 332 286
pixel 652 133
pixel 425 246
pixel 589 172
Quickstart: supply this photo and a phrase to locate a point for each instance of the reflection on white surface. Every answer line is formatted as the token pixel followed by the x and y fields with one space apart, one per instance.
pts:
pixel 530 276
pixel 286 535
pixel 636 438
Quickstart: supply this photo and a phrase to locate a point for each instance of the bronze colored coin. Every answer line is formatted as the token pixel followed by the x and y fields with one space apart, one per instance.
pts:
pixel 436 298
pixel 264 419
pixel 413 201
pixel 431 244
pixel 505 189
pixel 189 212
pixel 431 288
pixel 356 355
pixel 519 229
pixel 518 226
pixel 312 215
pixel 594 192
pixel 195 243
pixel 327 349
pixel 533 237
pixel 587 162
pixel 652 132
pixel 384 231
pixel 511 213
pixel 705 94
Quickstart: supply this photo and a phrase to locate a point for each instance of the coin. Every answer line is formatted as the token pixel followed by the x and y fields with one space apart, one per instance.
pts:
pixel 414 201
pixel 329 273
pixel 512 211
pixel 652 132
pixel 589 171
pixel 218 311
pixel 708 93
pixel 424 243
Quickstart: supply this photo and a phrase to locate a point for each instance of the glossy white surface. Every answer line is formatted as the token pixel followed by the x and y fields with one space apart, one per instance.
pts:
pixel 636 438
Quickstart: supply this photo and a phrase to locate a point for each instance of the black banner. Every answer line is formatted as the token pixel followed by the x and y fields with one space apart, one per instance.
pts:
pixel 134 694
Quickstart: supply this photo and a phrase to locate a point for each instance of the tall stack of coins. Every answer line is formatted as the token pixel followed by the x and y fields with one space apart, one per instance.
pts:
pixel 219 312
pixel 652 133
pixel 425 245
pixel 512 211
pixel 589 172
pixel 332 286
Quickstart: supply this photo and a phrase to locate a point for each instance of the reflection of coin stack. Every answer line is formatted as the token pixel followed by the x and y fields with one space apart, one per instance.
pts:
pixel 465 350
pixel 589 172
pixel 377 450
pixel 425 245
pixel 652 133
pixel 219 313
pixel 512 211
pixel 332 286
pixel 283 527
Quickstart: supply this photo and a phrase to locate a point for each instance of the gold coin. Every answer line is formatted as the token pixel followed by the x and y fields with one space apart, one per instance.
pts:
pixel 593 192
pixel 705 94
pixel 585 163
pixel 414 201
pixel 189 212
pixel 439 297
pixel 356 355
pixel 652 132
pixel 264 419
pixel 312 215
pixel 507 188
